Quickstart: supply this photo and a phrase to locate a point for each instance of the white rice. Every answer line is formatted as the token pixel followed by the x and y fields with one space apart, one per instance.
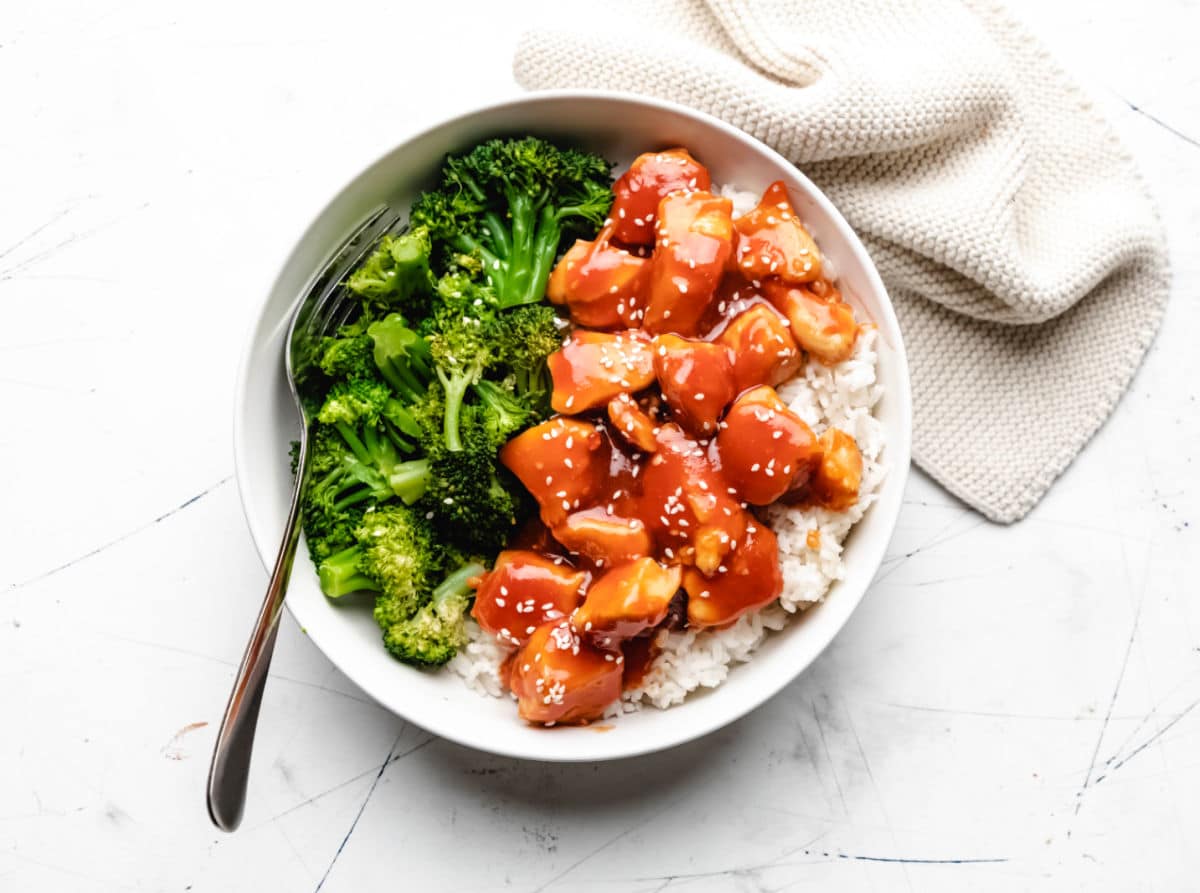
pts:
pixel 841 396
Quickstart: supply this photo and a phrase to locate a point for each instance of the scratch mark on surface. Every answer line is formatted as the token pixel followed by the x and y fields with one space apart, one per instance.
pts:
pixel 605 846
pixel 875 787
pixel 1144 721
pixel 120 539
pixel 996 714
pixel 17 244
pixel 171 749
pixel 337 787
pixel 1186 710
pixel 1137 619
pixel 43 386
pixel 898 561
pixel 354 824
pixel 1161 123
pixel 737 871
pixel 829 759
pixel 907 861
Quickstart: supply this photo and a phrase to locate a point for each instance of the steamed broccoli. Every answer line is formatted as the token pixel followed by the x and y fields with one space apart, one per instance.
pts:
pixel 339 488
pixel 462 347
pixel 401 356
pixel 526 336
pixel 397 557
pixel 370 423
pixel 347 356
pixel 395 554
pixel 433 635
pixel 510 203
pixel 504 412
pixel 415 395
pixel 468 493
pixel 397 275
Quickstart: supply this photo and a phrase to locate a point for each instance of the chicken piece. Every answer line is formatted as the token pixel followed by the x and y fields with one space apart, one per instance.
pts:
pixel 606 539
pixel 836 480
pixel 771 241
pixel 631 423
pixel 686 503
pixel 761 348
pixel 649 179
pixel 694 241
pixel 593 367
pixel 603 286
pixel 522 591
pixel 823 325
pixel 763 448
pixel 626 600
pixel 748 579
pixel 563 463
pixel 558 677
pixel 696 379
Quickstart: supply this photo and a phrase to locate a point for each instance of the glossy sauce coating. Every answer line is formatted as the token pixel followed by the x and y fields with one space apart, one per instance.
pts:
pixel 764 449
pixel 670 433
pixel 771 241
pixel 694 242
pixel 696 380
pixel 522 591
pixel 602 285
pixel 626 600
pixel 558 676
pixel 750 579
pixel 650 178
pixel 823 324
pixel 593 367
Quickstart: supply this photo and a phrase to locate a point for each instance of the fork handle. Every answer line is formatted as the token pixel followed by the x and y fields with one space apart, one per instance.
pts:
pixel 230 767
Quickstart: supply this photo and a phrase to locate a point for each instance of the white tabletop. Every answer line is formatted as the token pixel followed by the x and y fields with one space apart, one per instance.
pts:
pixel 1010 707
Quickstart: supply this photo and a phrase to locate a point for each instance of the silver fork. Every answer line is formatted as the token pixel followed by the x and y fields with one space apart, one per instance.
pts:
pixel 324 308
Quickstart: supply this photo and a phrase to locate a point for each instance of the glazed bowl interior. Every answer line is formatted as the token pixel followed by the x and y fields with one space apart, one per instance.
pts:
pixel 619 127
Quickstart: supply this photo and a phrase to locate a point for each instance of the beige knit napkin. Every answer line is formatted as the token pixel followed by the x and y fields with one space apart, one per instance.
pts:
pixel 1020 247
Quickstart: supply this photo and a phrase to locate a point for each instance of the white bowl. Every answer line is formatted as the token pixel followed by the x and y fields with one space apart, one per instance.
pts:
pixel 619 127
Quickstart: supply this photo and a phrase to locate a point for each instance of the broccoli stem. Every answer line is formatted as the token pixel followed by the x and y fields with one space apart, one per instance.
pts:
pixel 339 574
pixel 403 381
pixel 458 583
pixel 408 480
pixel 352 440
pixel 455 387
pixel 499 234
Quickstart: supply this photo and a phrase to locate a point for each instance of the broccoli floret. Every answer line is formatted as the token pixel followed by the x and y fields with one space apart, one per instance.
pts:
pixel 397 275
pixel 433 635
pixel 347 357
pixel 339 489
pixel 463 347
pixel 472 503
pixel 395 554
pixel 526 336
pixel 371 425
pixel 505 413
pixel 401 356
pixel 353 402
pixel 510 204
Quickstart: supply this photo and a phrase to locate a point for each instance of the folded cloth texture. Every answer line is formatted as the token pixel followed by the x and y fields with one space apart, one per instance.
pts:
pixel 1019 245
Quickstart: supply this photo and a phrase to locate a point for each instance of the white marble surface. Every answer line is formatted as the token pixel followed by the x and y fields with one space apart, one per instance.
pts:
pixel 1011 708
